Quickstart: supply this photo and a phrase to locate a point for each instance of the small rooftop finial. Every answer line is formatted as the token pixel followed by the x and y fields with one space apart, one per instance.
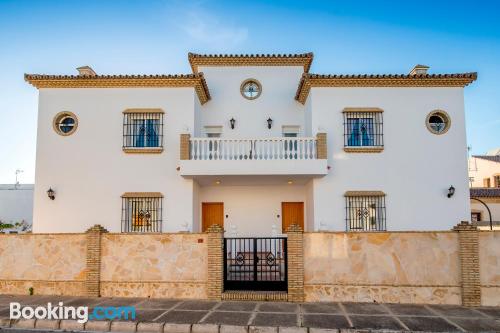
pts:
pixel 419 70
pixel 86 71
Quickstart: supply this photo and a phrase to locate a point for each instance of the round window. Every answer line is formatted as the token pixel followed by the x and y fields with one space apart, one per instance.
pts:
pixel 438 122
pixel 251 89
pixel 65 123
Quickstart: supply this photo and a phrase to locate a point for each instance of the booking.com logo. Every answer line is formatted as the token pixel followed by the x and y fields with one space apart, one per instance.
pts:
pixel 80 313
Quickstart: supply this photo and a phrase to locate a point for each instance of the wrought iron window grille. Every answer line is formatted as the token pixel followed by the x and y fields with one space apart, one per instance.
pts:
pixel 142 130
pixel 363 129
pixel 365 213
pixel 142 215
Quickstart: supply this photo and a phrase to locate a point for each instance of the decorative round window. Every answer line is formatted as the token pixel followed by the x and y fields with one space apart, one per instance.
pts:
pixel 438 122
pixel 65 123
pixel 251 89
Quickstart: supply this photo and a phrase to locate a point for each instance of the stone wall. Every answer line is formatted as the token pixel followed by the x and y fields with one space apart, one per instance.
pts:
pixel 51 264
pixel 399 267
pixel 160 265
pixel 489 267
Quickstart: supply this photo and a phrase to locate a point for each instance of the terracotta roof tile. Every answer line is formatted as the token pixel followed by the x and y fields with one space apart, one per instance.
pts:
pixel 485 192
pixel 492 158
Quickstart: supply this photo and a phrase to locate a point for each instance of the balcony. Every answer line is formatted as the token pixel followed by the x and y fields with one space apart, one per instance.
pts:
pixel 301 156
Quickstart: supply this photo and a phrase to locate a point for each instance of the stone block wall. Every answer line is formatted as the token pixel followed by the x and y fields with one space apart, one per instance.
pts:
pixel 51 264
pixel 154 265
pixel 489 267
pixel 398 267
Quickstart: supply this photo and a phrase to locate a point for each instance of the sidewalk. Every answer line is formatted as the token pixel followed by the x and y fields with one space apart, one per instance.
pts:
pixel 164 315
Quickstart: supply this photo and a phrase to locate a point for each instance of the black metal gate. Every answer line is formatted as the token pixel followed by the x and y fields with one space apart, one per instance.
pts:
pixel 255 264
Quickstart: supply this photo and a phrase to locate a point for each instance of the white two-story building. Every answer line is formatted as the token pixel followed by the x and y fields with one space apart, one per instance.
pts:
pixel 254 143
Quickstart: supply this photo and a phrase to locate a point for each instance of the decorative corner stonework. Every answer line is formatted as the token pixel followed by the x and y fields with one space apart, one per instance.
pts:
pixel 468 238
pixel 321 146
pixel 184 149
pixel 215 247
pixel 93 271
pixel 295 247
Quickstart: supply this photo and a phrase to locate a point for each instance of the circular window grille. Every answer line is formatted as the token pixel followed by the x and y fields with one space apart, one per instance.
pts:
pixel 438 122
pixel 251 89
pixel 65 123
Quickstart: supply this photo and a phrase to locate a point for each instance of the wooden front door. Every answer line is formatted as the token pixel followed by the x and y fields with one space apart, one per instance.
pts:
pixel 292 213
pixel 212 213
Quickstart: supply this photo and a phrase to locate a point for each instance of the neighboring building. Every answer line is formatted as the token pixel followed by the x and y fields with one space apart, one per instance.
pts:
pixel 16 207
pixel 484 175
pixel 254 143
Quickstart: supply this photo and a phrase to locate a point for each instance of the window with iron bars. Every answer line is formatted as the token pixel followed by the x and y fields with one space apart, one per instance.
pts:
pixel 363 129
pixel 141 213
pixel 365 211
pixel 142 129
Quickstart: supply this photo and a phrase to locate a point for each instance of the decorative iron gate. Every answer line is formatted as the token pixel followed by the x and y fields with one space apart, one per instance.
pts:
pixel 255 264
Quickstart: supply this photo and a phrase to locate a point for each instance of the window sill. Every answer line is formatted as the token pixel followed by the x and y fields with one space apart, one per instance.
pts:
pixel 363 149
pixel 145 150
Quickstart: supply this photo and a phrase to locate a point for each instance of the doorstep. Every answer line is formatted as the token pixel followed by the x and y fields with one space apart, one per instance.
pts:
pixel 250 295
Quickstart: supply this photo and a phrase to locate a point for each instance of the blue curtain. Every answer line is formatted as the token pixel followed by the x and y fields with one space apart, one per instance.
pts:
pixel 152 128
pixel 140 130
pixel 353 128
pixel 366 128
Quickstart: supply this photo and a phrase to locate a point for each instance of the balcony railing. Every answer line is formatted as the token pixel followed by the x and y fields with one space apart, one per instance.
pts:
pixel 253 149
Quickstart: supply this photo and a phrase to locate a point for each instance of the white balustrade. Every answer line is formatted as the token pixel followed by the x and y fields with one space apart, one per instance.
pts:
pixel 253 149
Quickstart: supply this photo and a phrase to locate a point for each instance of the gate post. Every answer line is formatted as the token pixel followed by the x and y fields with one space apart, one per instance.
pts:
pixel 93 271
pixel 468 242
pixel 295 259
pixel 215 261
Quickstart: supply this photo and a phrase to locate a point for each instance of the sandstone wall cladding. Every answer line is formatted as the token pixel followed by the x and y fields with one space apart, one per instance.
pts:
pixel 160 265
pixel 51 264
pixel 489 267
pixel 406 267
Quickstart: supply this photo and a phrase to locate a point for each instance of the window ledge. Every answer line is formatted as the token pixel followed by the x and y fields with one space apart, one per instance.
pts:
pixel 145 150
pixel 363 149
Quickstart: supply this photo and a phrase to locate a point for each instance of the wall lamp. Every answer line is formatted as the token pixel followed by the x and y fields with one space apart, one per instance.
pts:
pixel 269 123
pixel 51 194
pixel 232 122
pixel 451 191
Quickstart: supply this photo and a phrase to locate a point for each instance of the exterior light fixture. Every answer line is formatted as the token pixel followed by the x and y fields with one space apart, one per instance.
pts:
pixel 217 182
pixel 269 123
pixel 51 194
pixel 451 191
pixel 290 182
pixel 232 122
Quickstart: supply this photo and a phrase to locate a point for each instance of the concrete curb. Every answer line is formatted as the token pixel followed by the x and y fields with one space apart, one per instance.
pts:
pixel 153 327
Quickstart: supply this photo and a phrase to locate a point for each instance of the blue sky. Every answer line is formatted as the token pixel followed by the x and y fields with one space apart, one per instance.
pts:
pixel 150 37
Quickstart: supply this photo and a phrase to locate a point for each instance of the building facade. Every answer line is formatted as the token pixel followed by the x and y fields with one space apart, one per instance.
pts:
pixel 254 143
pixel 16 208
pixel 484 178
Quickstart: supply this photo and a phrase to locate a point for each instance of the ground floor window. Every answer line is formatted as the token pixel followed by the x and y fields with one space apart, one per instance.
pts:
pixel 142 212
pixel 365 211
pixel 476 216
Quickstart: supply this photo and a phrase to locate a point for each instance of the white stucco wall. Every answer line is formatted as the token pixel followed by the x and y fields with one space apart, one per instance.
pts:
pixel 279 85
pixel 480 169
pixel 416 167
pixel 253 209
pixel 16 203
pixel 89 171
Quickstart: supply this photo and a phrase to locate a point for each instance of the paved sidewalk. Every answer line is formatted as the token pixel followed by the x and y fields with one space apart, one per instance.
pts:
pixel 211 314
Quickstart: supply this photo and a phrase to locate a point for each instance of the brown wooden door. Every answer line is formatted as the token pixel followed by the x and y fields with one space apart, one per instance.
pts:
pixel 292 213
pixel 212 213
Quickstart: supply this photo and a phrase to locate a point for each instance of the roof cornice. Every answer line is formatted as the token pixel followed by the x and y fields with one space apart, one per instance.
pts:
pixel 197 81
pixel 391 80
pixel 226 60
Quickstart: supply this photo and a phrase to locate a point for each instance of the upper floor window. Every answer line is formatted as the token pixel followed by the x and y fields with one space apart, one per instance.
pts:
pixel 486 182
pixel 365 211
pixel 363 129
pixel 213 131
pixel 438 122
pixel 251 89
pixel 142 129
pixel 291 131
pixel 65 123
pixel 142 212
